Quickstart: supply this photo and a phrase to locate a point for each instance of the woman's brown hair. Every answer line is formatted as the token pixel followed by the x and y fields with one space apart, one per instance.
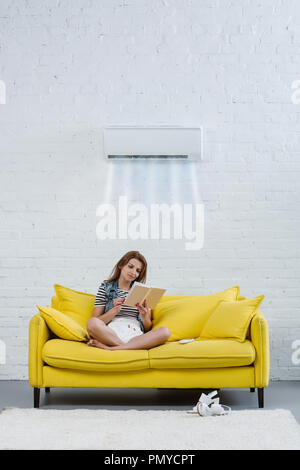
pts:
pixel 115 274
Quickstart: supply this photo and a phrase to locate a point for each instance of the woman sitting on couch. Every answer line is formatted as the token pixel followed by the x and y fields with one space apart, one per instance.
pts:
pixel 129 327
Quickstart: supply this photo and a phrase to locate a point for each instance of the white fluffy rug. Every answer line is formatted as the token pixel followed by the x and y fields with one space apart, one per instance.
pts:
pixel 22 428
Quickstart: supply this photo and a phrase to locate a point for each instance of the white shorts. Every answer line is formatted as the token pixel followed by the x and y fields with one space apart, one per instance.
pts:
pixel 126 328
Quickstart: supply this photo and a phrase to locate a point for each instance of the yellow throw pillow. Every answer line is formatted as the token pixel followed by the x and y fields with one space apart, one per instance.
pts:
pixel 185 316
pixel 231 319
pixel 63 326
pixel 77 305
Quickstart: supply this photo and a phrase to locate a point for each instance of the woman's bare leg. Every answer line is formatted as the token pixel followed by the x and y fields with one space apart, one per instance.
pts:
pixel 146 341
pixel 99 331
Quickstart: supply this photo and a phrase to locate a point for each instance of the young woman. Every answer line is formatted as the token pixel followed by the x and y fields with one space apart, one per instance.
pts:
pixel 116 326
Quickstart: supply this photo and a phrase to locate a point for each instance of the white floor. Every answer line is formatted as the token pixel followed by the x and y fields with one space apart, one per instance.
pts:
pixel 284 395
pixel 108 430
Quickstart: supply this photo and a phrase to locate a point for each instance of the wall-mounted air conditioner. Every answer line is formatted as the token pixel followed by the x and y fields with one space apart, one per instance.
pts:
pixel 160 143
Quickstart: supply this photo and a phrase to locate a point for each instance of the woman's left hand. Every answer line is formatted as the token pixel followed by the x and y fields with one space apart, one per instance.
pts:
pixel 143 309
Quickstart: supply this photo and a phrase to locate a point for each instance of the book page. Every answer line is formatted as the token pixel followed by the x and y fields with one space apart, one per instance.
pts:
pixel 139 292
pixel 136 295
pixel 154 296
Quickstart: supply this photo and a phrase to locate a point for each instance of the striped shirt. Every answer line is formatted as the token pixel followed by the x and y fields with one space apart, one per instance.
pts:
pixel 125 312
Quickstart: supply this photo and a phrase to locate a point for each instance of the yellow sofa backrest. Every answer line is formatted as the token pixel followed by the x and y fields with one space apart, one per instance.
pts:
pixel 165 298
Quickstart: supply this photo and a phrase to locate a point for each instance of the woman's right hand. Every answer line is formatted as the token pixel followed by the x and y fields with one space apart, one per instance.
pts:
pixel 116 309
pixel 118 305
pixel 119 301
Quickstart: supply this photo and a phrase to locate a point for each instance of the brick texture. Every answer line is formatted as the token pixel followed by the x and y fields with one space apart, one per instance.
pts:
pixel 72 66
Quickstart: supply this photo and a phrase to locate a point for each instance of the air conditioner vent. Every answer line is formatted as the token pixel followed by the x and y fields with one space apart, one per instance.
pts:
pixel 147 157
pixel 160 143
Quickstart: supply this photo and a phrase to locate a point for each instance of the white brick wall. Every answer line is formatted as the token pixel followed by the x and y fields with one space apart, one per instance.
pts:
pixel 71 67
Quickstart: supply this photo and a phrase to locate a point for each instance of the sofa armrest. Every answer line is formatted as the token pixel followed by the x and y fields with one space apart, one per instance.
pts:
pixel 39 333
pixel 259 331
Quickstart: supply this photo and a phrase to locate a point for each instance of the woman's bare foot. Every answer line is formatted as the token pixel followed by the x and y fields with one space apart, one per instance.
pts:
pixel 97 344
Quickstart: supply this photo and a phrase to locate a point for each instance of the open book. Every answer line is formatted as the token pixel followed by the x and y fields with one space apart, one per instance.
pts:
pixel 140 292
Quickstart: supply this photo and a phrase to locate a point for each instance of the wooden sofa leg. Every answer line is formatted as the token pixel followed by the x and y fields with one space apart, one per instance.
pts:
pixel 36 397
pixel 47 389
pixel 252 390
pixel 260 392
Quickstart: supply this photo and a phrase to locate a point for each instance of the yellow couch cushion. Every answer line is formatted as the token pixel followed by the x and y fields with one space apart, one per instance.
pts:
pixel 63 326
pixel 54 302
pixel 202 354
pixel 185 316
pixel 231 319
pixel 75 355
pixel 75 304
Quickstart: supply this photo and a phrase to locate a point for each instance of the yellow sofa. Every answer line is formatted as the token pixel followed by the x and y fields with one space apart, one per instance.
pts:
pixel 203 363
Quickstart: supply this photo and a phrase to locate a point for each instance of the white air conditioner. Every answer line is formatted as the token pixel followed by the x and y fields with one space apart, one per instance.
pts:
pixel 160 143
